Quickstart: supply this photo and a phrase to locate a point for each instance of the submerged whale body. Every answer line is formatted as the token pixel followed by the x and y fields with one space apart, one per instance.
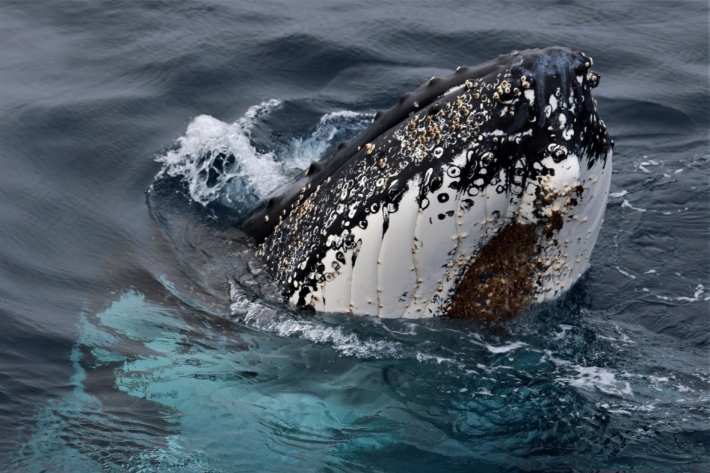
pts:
pixel 474 196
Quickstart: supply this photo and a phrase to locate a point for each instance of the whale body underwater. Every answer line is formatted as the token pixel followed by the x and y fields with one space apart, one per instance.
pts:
pixel 474 196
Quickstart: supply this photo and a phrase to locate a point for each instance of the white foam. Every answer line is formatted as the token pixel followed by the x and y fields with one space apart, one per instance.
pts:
pixel 625 273
pixel 347 344
pixel 620 411
pixel 421 357
pixel 591 377
pixel 209 144
pixel 626 204
pixel 285 325
pixel 505 348
pixel 411 328
pixel 303 151
pixel 498 349
pixel 697 296
pixel 618 194
pixel 206 139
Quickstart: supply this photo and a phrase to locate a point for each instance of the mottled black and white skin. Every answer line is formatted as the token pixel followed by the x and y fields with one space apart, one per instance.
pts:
pixel 388 223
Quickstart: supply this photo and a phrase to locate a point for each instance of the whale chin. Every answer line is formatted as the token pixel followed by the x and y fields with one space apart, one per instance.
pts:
pixel 475 196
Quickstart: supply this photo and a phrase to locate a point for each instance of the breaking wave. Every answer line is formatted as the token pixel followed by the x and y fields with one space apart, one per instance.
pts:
pixel 219 161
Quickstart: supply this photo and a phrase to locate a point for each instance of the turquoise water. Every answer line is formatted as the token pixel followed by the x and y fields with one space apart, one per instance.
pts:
pixel 193 392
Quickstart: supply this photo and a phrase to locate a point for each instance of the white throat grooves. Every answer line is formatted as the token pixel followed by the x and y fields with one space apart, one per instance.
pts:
pixel 396 275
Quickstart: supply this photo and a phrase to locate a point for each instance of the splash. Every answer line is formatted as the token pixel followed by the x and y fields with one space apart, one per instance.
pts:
pixel 331 128
pixel 214 155
pixel 284 324
pixel 219 162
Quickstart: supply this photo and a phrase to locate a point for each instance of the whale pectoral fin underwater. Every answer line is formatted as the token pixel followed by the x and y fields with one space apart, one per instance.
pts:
pixel 475 196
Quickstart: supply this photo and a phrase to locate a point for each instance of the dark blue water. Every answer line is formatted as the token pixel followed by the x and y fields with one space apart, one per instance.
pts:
pixel 120 349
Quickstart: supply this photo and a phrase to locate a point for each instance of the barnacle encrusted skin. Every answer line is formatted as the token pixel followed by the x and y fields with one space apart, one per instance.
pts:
pixel 390 223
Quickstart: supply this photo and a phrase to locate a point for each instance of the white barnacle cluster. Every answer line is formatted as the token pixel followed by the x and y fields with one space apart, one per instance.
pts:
pixel 573 220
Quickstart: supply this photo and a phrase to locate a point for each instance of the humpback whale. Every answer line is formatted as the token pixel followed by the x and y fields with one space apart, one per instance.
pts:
pixel 474 196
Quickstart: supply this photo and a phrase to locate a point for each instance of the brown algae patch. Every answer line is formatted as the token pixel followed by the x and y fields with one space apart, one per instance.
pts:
pixel 501 281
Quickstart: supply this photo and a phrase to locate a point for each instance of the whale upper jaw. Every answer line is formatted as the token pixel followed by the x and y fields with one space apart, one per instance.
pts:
pixel 475 195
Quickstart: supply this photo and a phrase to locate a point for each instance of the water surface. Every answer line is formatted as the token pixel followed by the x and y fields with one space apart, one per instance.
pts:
pixel 121 349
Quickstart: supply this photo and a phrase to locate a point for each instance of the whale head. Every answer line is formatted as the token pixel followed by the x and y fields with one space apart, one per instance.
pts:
pixel 474 196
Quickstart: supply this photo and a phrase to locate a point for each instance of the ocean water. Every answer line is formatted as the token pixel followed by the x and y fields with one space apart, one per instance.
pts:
pixel 134 134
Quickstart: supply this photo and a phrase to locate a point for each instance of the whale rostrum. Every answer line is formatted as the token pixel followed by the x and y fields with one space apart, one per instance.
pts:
pixel 474 196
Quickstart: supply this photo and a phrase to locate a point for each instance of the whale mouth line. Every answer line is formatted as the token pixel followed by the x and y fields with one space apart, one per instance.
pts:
pixel 475 195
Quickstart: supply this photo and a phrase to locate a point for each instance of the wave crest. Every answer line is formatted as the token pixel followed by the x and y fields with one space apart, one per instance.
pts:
pixel 219 162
